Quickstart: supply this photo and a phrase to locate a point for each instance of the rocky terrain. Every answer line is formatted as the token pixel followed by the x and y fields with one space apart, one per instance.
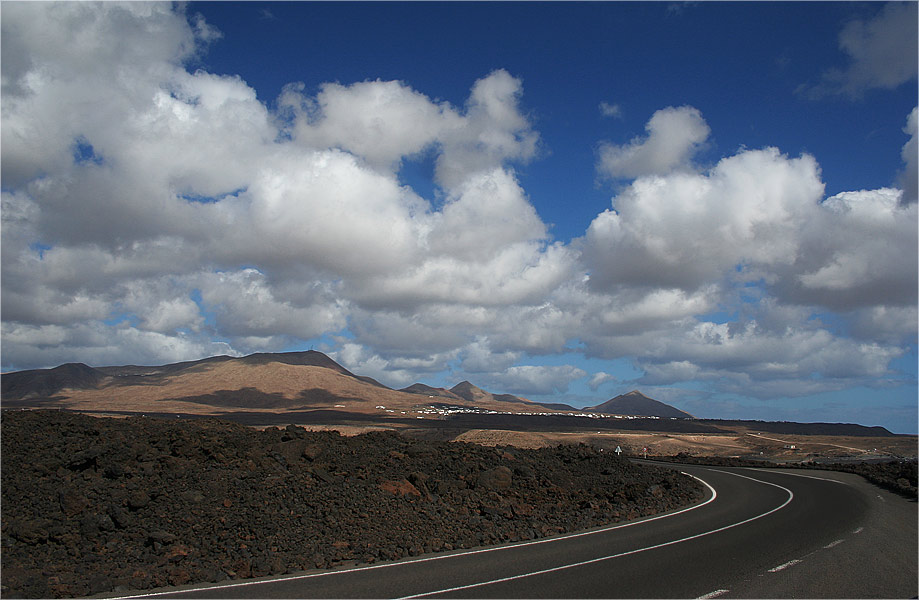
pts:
pixel 92 505
pixel 898 476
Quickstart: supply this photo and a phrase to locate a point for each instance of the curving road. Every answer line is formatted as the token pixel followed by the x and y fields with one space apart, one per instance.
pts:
pixel 760 533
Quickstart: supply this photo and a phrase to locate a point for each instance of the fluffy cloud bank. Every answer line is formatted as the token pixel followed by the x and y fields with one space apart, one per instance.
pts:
pixel 154 213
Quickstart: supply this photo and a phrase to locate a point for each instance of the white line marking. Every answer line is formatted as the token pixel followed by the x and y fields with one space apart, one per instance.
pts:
pixel 441 556
pixel 715 594
pixel 832 544
pixel 796 475
pixel 602 558
pixel 784 566
pixel 859 530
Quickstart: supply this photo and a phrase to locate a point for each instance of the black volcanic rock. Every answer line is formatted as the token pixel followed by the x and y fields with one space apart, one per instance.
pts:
pixel 794 428
pixel 204 500
pixel 44 383
pixel 637 404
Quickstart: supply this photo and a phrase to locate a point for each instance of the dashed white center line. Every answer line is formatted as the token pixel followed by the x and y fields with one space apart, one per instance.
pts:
pixel 859 530
pixel 784 566
pixel 715 594
pixel 832 544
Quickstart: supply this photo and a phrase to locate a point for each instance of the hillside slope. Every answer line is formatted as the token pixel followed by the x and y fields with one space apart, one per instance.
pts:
pixel 217 385
pixel 46 383
pixel 637 404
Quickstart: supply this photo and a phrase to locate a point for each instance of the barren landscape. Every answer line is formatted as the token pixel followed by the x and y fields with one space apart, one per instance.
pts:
pixel 311 390
pixel 93 505
pixel 287 382
pixel 323 467
pixel 723 444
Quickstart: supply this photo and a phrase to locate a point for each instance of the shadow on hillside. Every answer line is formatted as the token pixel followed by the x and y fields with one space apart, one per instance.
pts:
pixel 242 398
pixel 31 403
pixel 250 397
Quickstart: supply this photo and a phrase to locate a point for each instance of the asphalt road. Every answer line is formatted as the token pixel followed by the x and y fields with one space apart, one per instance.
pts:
pixel 759 534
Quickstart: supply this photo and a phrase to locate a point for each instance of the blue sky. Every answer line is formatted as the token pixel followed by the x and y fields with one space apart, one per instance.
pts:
pixel 714 203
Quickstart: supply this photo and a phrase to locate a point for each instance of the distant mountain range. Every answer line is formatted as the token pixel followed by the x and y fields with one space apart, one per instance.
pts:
pixel 274 381
pixel 466 393
pixel 45 383
pixel 637 404
pixel 310 381
pixel 287 380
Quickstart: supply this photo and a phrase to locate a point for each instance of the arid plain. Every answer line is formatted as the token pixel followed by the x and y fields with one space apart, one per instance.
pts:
pixel 311 390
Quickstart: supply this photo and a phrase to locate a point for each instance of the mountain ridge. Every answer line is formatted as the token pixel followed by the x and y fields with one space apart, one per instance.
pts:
pixel 43 383
pixel 636 404
pixel 282 381
pixel 426 390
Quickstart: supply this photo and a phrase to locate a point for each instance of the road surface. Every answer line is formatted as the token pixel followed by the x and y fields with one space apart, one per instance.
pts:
pixel 760 533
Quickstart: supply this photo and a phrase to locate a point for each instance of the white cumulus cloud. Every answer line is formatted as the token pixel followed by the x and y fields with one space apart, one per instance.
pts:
pixel 686 229
pixel 598 379
pixel 154 212
pixel 535 379
pixel 674 135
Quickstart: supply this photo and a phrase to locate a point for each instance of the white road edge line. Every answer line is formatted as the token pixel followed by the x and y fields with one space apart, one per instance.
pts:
pixel 784 566
pixel 791 496
pixel 833 544
pixel 715 594
pixel 798 475
pixel 439 556
pixel 859 530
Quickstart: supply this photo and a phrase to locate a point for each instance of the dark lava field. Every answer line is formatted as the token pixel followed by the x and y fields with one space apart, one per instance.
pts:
pixel 92 505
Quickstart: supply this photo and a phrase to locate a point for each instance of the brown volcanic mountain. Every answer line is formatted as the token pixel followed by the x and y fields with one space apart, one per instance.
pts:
pixel 637 404
pixel 475 395
pixel 469 392
pixel 45 383
pixel 217 385
pixel 426 390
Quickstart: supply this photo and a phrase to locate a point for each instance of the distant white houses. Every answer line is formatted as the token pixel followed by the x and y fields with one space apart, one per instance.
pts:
pixel 452 410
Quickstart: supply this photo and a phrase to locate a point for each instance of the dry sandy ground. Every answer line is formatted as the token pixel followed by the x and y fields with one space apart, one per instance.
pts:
pixel 745 444
pixel 667 444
